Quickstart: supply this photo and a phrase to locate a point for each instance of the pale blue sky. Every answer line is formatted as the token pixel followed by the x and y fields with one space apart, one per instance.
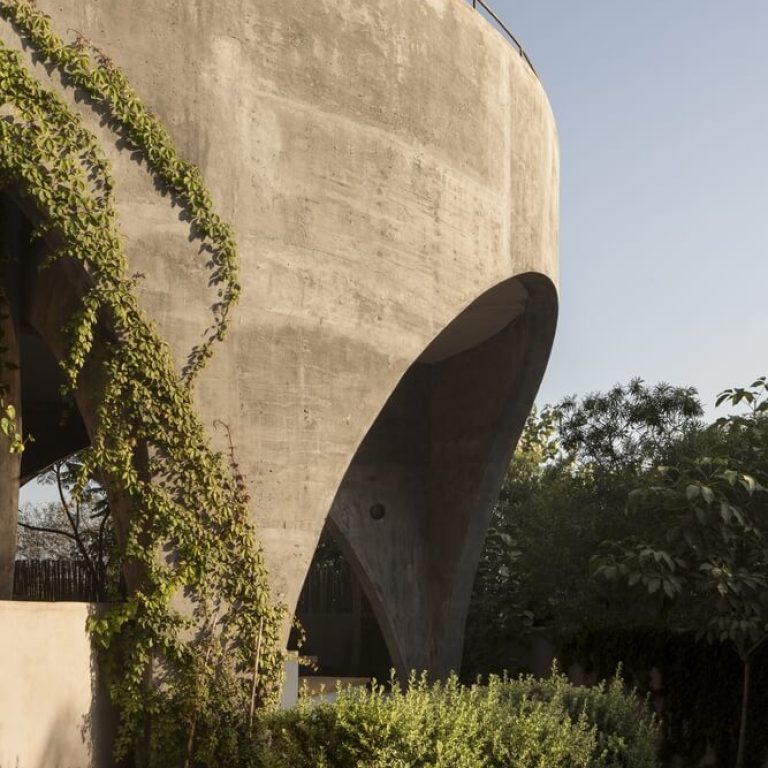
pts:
pixel 662 112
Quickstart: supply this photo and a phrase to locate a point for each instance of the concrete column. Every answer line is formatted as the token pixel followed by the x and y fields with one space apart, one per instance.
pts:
pixel 412 512
pixel 378 181
pixel 10 463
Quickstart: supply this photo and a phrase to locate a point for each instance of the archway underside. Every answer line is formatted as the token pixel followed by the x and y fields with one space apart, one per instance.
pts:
pixel 39 305
pixel 412 511
pixel 48 417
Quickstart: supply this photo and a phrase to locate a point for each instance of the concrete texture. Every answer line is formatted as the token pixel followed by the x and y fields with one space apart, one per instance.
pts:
pixel 52 714
pixel 10 393
pixel 414 506
pixel 391 170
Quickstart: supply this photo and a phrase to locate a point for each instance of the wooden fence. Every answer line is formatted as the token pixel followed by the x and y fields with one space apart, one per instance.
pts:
pixel 326 590
pixel 62 580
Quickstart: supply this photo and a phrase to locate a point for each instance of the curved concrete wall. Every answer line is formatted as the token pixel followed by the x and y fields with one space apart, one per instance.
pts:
pixel 414 506
pixel 385 163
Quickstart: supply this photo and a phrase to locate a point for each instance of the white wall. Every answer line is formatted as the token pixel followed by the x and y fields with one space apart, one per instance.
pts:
pixel 49 708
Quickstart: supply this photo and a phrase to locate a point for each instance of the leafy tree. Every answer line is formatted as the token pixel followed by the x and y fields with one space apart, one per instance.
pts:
pixel 630 428
pixel 77 527
pixel 701 555
pixel 564 493
pixel 498 612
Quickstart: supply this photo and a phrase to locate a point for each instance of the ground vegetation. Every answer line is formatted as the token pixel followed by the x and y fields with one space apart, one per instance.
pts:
pixel 525 723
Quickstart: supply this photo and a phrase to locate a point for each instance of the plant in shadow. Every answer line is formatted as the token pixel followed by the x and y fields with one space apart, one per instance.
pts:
pixel 701 556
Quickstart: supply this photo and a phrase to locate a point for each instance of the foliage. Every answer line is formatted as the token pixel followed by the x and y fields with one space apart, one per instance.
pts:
pixel 9 425
pixel 45 533
pixel 702 554
pixel 628 429
pixel 526 723
pixel 501 609
pixel 632 487
pixel 703 545
pixel 177 676
pixel 564 492
pixel 695 686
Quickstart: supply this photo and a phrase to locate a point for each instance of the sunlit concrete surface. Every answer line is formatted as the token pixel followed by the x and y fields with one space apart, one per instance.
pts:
pixel 391 171
pixel 52 714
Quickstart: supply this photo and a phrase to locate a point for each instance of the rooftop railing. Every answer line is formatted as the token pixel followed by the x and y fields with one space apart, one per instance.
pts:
pixel 504 29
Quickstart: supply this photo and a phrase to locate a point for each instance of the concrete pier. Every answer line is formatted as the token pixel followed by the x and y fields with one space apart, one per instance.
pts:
pixel 391 171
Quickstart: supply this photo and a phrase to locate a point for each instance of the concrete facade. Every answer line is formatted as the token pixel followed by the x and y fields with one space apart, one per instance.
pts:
pixel 391 171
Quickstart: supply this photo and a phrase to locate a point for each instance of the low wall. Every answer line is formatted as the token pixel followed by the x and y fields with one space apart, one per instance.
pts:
pixel 52 714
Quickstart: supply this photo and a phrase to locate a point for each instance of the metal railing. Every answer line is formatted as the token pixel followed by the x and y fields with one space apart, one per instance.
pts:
pixel 503 27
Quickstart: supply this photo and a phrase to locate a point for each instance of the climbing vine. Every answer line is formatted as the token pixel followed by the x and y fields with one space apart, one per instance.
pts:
pixel 9 425
pixel 185 680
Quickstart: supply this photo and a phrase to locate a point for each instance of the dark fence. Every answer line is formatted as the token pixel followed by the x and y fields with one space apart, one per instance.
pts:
pixel 328 589
pixel 63 580
pixel 342 634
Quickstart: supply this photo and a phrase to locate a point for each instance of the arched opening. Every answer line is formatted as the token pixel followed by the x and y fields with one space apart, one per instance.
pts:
pixel 37 305
pixel 41 301
pixel 412 511
pixel 342 637
pixel 52 421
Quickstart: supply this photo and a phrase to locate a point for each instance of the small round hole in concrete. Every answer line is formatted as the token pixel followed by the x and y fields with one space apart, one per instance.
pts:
pixel 377 511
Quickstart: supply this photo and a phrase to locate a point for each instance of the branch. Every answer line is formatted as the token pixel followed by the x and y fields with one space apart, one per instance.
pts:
pixel 43 529
pixel 756 646
pixel 74 525
pixel 100 564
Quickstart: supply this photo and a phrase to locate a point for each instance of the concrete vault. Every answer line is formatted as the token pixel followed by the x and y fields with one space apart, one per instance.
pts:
pixel 413 508
pixel 391 171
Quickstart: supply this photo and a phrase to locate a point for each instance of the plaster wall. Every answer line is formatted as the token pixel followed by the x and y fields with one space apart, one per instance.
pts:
pixel 52 714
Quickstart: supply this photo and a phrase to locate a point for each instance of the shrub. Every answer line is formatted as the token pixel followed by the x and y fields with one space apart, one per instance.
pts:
pixel 524 723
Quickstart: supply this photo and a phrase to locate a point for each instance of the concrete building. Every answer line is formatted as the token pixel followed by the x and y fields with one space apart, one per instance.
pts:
pixel 391 171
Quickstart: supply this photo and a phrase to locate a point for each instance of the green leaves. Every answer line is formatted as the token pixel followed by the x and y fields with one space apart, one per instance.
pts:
pixel 9 428
pixel 190 530
pixel 526 723
pixel 630 427
pixel 713 512
pixel 642 566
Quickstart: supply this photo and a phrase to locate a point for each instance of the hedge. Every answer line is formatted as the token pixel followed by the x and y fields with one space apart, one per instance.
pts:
pixel 522 723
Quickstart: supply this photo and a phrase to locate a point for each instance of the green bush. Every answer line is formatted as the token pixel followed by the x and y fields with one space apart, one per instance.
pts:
pixel 524 723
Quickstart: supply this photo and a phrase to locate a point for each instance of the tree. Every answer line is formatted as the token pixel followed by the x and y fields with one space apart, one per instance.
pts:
pixel 701 555
pixel 565 492
pixel 498 611
pixel 77 527
pixel 630 428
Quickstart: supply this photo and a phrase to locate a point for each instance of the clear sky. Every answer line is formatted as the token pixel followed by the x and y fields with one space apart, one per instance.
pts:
pixel 662 112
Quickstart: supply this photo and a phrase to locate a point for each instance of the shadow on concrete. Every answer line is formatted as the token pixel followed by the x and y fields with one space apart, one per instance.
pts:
pixel 412 511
